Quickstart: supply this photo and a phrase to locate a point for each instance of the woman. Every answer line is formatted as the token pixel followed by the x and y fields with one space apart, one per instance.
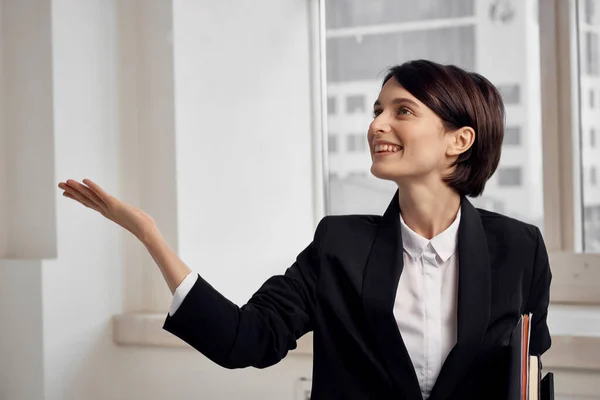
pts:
pixel 417 303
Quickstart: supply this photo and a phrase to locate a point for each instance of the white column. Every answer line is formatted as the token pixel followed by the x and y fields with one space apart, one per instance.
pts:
pixel 27 193
pixel 243 139
pixel 148 152
pixel 27 201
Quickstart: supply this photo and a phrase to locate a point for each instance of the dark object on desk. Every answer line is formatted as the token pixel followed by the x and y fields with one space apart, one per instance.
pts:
pixel 547 387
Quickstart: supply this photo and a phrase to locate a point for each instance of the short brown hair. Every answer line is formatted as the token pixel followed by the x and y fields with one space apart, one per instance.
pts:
pixel 460 98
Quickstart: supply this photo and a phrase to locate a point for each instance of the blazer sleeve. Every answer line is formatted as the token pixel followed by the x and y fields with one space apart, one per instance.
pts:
pixel 261 332
pixel 539 299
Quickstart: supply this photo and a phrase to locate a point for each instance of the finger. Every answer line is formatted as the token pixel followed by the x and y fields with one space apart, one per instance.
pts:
pixel 82 200
pixel 98 190
pixel 84 190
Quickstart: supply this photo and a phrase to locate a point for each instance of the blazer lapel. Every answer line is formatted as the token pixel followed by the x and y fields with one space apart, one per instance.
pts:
pixel 380 282
pixel 474 291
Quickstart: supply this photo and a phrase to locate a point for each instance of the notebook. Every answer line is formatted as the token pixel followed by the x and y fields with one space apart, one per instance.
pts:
pixel 525 371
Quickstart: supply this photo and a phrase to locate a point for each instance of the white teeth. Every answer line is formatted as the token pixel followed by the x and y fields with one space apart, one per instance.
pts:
pixel 387 147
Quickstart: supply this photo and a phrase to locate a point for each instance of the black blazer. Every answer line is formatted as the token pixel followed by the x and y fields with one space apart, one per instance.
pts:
pixel 342 287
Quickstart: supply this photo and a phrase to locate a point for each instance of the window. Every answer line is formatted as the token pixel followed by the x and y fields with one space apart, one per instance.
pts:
pixel 356 142
pixel 592 98
pixel 589 13
pixel 509 176
pixel 512 136
pixel 511 94
pixel 351 13
pixel 591 53
pixel 364 38
pixel 361 140
pixel 331 105
pixel 354 57
pixel 355 104
pixel 351 143
pixel 589 79
pixel 332 143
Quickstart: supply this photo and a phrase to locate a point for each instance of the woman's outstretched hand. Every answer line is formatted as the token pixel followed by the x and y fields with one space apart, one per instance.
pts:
pixel 93 196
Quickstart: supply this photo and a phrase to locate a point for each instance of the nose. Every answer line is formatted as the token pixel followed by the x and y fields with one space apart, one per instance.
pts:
pixel 380 124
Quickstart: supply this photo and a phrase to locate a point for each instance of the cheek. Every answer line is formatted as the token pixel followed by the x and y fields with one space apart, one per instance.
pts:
pixel 429 148
pixel 370 132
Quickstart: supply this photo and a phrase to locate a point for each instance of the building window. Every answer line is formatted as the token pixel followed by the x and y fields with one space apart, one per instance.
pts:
pixel 511 94
pixel 355 104
pixel 349 59
pixel 331 105
pixel 332 143
pixel 361 142
pixel 356 143
pixel 509 176
pixel 592 137
pixel 346 14
pixel 351 143
pixel 591 53
pixel 592 98
pixel 590 11
pixel 593 176
pixel 512 136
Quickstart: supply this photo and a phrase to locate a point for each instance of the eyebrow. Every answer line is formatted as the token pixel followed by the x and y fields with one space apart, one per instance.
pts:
pixel 398 100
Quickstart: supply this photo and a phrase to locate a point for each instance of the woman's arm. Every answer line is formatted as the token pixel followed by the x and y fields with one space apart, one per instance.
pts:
pixel 259 333
pixel 539 299
pixel 171 266
pixel 140 224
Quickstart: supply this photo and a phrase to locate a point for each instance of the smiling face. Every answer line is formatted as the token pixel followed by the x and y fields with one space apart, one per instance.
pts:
pixel 407 139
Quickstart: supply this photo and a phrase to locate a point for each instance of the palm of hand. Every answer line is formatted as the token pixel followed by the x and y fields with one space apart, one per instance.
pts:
pixel 93 196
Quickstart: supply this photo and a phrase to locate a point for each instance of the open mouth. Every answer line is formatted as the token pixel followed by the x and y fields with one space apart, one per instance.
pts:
pixel 387 148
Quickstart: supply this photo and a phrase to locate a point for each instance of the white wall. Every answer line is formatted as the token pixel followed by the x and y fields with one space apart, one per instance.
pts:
pixel 114 93
pixel 28 228
pixel 82 288
pixel 21 335
pixel 242 95
pixel 148 140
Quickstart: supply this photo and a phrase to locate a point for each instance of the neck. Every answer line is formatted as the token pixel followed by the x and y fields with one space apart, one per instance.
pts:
pixel 428 211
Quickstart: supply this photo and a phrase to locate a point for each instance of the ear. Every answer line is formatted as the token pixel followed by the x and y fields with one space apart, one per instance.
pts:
pixel 460 141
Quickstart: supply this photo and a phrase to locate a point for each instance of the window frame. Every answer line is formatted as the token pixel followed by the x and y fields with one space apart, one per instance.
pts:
pixel 575 274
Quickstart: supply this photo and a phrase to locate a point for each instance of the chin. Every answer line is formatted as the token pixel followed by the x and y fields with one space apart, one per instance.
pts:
pixel 386 172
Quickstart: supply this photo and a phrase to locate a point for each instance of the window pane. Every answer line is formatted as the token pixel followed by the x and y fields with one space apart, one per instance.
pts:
pixel 331 106
pixel 350 141
pixel 591 53
pixel 589 81
pixel 512 136
pixel 355 104
pixel 511 94
pixel 364 38
pixel 589 13
pixel 509 176
pixel 332 143
pixel 366 57
pixel 350 13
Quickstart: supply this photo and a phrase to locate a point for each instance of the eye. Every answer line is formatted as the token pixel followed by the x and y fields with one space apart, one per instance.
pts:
pixel 376 112
pixel 404 111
